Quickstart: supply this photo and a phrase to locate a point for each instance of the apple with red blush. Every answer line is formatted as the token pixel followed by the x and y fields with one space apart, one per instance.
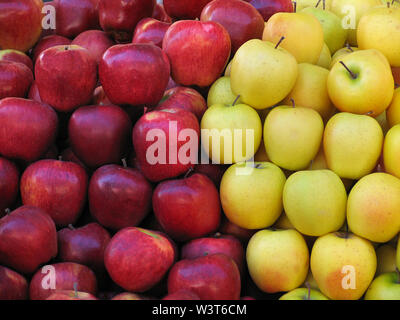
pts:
pixel 184 9
pixel 15 79
pixel 268 8
pixel 16 56
pixel 9 184
pixel 160 14
pixel 95 41
pixel 13 286
pixel 49 42
pixel 182 295
pixel 151 31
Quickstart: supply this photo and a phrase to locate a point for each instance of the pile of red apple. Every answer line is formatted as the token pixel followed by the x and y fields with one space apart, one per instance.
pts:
pixel 102 196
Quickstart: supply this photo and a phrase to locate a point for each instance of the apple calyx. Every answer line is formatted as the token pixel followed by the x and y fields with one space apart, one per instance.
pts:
pixel 280 41
pixel 352 74
pixel 188 172
pixel 236 100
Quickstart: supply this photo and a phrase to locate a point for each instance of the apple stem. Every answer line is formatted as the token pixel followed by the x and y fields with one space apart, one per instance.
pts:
pixel 397 85
pixel 309 291
pixel 71 227
pixel 398 275
pixel 388 4
pixel 353 75
pixel 294 6
pixel 293 103
pixel 236 100
pixel 258 166
pixel 8 211
pixel 217 235
pixel 368 113
pixel 348 46
pixel 188 172
pixel 124 162
pixel 319 1
pixel 279 42
pixel 60 158
pixel 76 290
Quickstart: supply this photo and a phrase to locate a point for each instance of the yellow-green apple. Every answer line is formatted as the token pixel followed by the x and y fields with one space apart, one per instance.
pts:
pixel 283 222
pixel 261 154
pixel 262 73
pixel 221 92
pixel 393 112
pixel 70 295
pixel 95 41
pixel 338 55
pixel 310 90
pixel 48 42
pixel 382 120
pixel 292 136
pixel 150 30
pixel 230 133
pixel 16 56
pixel 228 69
pixel 352 144
pixel 15 79
pixel 278 260
pixel 310 281
pixel 343 265
pixel 379 29
pixel 323 4
pixel 325 58
pixel 13 286
pixel 386 256
pixel 293 26
pixel 184 9
pixel 20 24
pixel 373 205
pixel 197 60
pixel 315 201
pixel 303 294
pixel 384 287
pixel 9 184
pixel 268 8
pixel 391 151
pixel 261 189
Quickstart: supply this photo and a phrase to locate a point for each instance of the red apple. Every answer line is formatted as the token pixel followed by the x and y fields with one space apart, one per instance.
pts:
pixel 66 77
pixel 185 98
pixel 160 14
pixel 134 74
pixel 84 245
pixel 51 153
pixel 71 295
pixel 57 187
pixel 33 93
pixel 75 16
pixel 267 8
pixel 247 298
pixel 48 42
pixel 119 197
pixel 198 60
pixel 162 140
pixel 187 208
pixel 95 41
pixel 15 79
pixel 150 31
pixel 66 276
pixel 69 155
pixel 171 84
pixel 211 277
pixel 211 170
pixel 16 56
pixel 242 21
pixel 20 23
pixel 137 259
pixel 9 185
pixel 130 296
pixel 182 295
pixel 240 233
pixel 99 97
pixel 28 238
pixel 99 134
pixel 13 286
pixel 184 9
pixel 120 17
pixel 28 128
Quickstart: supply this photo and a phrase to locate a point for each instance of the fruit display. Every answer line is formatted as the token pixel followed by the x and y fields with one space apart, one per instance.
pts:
pixel 199 150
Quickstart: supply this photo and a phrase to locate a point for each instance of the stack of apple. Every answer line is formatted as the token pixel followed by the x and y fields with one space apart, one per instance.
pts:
pixel 106 120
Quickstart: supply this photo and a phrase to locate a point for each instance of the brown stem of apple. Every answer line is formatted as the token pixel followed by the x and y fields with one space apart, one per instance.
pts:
pixel 125 165
pixel 76 290
pixel 236 100
pixel 293 103
pixel 188 172
pixel 398 275
pixel 319 1
pixel 258 166
pixel 279 42
pixel 60 158
pixel 71 227
pixel 353 75
pixel 368 113
pixel 7 211
pixel 348 46
pixel 388 4
pixel 309 291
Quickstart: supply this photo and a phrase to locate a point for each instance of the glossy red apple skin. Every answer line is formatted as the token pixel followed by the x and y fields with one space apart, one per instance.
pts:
pixel 66 77
pixel 28 238
pixel 71 295
pixel 161 120
pixel 27 128
pixel 137 259
pixel 185 98
pixel 119 196
pixel 184 9
pixel 150 31
pixel 240 233
pixel 67 274
pixel 182 295
pixel 120 17
pixel 214 171
pixel 9 184
pixel 84 245
pixel 16 56
pixel 15 79
pixel 75 16
pixel 48 42
pixel 242 21
pixel 197 60
pixel 187 208
pixel 211 277
pixel 160 14
pixel 13 286
pixel 99 134
pixel 57 187
pixel 134 74
pixel 20 23
pixel 268 8
pixel 95 41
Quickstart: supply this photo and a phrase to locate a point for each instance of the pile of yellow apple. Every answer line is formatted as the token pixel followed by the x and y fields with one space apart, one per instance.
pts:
pixel 319 94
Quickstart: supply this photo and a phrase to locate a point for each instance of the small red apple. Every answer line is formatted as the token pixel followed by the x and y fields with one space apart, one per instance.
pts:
pixel 15 79
pixel 182 295
pixel 13 286
pixel 184 9
pixel 268 8
pixel 95 41
pixel 9 184
pixel 48 42
pixel 150 30
pixel 16 56
pixel 71 295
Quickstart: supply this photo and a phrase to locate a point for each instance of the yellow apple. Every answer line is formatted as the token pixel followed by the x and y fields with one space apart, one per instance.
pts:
pixel 278 260
pixel 228 69
pixel 343 265
pixel 221 93
pixel 262 74
pixel 310 282
pixel 393 112
pixel 325 58
pixel 391 151
pixel 340 54
pixel 373 207
pixel 303 294
pixel 283 222
pixel 382 120
pixel 304 36
pixel 384 287
pixel 292 136
pixel 386 255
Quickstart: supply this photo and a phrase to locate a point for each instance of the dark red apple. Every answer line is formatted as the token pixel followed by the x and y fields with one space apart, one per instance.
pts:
pixel 166 143
pixel 160 14
pixel 211 277
pixel 57 187
pixel 150 31
pixel 182 295
pixel 51 153
pixel 16 56
pixel 95 41
pixel 84 245
pixel 198 60
pixel 69 155
pixel 240 233
pixel 119 196
pixel 184 9
pixel 130 296
pixel 211 170
pixel 33 93
pixel 267 8
pixel 242 21
pixel 247 298
pixel 71 295
pixel 28 128
pixel 187 208
pixel 9 185
pixel 137 259
pixel 13 286
pixel 28 238
pixel 64 276
pixel 48 42
pixel 120 17
pixel 134 74
pixel 20 23
pixel 185 98
pixel 66 77
pixel 15 79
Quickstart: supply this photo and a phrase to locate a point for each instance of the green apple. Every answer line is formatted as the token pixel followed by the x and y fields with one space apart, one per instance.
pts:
pixel 338 55
pixel 325 58
pixel 303 294
pixel 384 287
pixel 352 144
pixel 260 188
pixel 278 260
pixel 292 136
pixel 262 74
pixel 386 255
pixel 221 93
pixel 391 151
pixel 315 201
pixel 343 265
